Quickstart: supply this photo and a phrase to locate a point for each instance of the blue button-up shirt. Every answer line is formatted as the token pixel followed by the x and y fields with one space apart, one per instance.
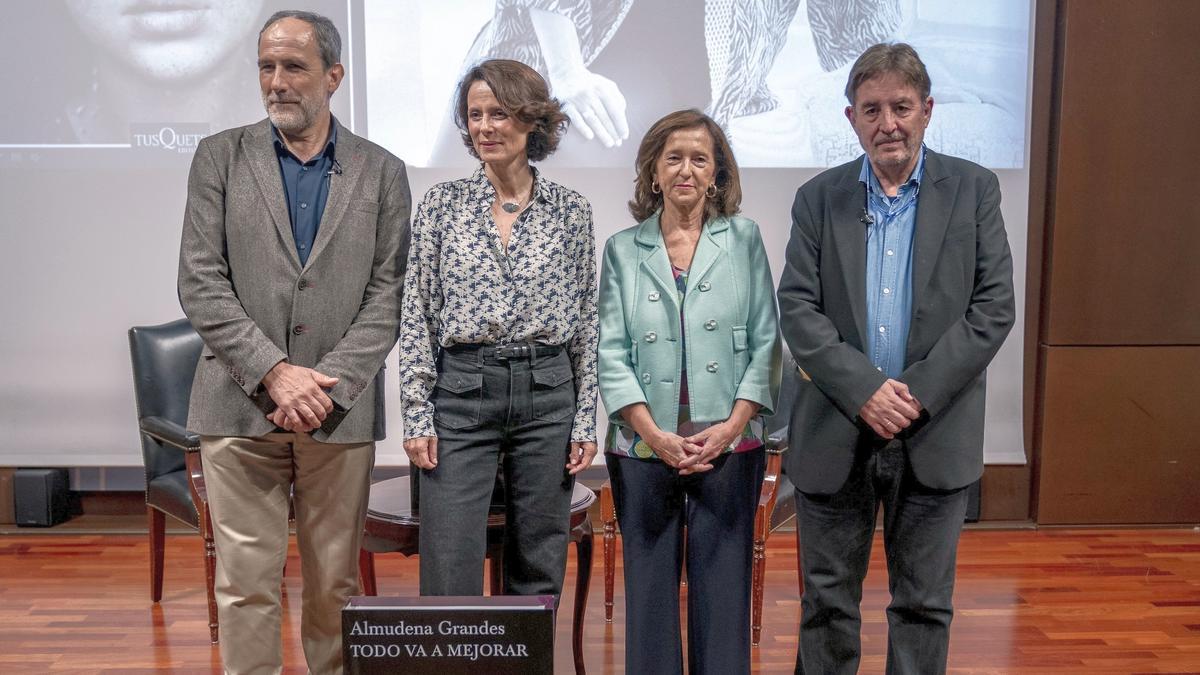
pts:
pixel 306 188
pixel 889 267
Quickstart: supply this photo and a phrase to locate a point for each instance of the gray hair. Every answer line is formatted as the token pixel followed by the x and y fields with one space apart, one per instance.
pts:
pixel 882 59
pixel 329 41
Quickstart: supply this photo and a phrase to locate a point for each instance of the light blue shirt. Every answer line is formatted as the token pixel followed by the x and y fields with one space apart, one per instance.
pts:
pixel 889 267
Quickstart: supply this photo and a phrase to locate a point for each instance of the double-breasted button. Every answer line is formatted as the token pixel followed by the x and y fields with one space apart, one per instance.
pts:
pixel 653 297
pixel 704 286
pixel 711 324
pixel 712 366
pixel 646 378
pixel 651 336
pixel 299 330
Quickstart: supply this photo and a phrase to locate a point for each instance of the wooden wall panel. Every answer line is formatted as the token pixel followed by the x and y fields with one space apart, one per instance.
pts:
pixel 1004 493
pixel 1125 233
pixel 1119 441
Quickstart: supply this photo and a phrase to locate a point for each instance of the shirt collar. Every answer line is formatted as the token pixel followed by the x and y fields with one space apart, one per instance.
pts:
pixel 866 174
pixel 483 186
pixel 330 145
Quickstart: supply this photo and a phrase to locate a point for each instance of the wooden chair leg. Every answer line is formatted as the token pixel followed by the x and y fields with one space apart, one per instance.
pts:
pixel 761 525
pixel 366 572
pixel 799 562
pixel 158 526
pixel 683 548
pixel 608 516
pixel 210 575
pixel 583 555
pixel 496 573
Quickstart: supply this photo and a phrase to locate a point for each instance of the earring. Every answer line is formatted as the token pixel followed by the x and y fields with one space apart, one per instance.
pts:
pixel 711 191
pixel 655 189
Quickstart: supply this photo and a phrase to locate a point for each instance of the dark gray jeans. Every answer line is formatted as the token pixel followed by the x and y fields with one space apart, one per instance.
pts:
pixel 921 527
pixel 518 414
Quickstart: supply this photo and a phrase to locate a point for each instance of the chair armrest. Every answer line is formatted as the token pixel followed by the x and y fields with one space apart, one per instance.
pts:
pixel 777 442
pixel 163 429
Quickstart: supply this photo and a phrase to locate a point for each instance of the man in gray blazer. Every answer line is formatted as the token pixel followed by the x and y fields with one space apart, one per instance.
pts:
pixel 896 293
pixel 294 244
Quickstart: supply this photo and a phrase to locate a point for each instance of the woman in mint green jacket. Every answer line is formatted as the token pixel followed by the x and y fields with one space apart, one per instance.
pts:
pixel 689 354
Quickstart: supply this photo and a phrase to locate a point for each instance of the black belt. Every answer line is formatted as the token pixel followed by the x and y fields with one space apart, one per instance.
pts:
pixel 516 351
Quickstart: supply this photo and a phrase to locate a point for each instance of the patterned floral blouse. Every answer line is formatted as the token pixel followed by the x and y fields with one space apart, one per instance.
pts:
pixel 462 287
pixel 624 441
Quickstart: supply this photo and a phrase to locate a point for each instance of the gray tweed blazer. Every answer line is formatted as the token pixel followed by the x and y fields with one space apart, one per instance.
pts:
pixel 243 288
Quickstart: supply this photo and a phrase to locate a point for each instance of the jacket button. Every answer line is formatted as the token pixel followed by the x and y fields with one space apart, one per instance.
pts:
pixel 653 297
pixel 646 378
pixel 711 324
pixel 302 285
pixel 704 286
pixel 299 330
pixel 712 366
pixel 651 336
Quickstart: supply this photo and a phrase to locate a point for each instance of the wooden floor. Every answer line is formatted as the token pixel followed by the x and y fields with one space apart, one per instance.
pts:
pixel 1049 601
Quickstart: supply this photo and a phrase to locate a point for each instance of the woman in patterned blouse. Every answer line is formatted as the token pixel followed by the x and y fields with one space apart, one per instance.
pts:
pixel 498 343
pixel 689 354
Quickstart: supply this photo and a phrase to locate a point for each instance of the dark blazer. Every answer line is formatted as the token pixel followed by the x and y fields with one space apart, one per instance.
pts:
pixel 962 309
pixel 243 288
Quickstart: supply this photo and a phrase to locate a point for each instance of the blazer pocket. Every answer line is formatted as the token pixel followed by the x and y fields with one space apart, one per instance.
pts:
pixel 365 206
pixel 958 233
pixel 457 398
pixel 740 341
pixel 741 357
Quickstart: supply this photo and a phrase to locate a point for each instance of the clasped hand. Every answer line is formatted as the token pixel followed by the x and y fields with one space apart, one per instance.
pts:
pixel 695 453
pixel 891 409
pixel 299 394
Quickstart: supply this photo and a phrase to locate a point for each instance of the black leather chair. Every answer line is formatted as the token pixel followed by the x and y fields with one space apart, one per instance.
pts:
pixel 164 362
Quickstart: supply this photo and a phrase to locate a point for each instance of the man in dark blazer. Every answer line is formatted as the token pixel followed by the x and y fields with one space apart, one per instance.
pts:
pixel 896 293
pixel 294 245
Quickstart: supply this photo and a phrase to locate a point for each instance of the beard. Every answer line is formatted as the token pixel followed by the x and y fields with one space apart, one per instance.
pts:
pixel 909 148
pixel 292 119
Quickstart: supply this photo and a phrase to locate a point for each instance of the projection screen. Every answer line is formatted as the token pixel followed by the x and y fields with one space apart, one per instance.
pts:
pixel 108 98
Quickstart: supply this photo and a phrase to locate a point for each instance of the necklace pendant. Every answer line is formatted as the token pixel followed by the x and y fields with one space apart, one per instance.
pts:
pixel 510 207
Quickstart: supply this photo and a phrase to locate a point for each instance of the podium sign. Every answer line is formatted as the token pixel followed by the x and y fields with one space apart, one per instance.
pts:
pixel 449 635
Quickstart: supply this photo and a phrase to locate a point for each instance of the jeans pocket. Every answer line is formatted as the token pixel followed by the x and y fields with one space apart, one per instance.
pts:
pixel 457 399
pixel 553 393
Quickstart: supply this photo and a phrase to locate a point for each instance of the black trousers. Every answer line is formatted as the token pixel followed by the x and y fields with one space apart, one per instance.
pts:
pixel 921 528
pixel 516 414
pixel 718 510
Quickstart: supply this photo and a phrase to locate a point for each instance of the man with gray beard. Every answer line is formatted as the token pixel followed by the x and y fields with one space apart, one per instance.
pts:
pixel 295 238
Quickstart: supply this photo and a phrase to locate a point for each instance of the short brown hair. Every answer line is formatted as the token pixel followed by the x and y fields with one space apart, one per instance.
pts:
pixel 329 40
pixel 524 94
pixel 646 201
pixel 882 59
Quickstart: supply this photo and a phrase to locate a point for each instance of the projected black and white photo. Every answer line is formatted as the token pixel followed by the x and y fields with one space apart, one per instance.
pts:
pixel 134 74
pixel 771 71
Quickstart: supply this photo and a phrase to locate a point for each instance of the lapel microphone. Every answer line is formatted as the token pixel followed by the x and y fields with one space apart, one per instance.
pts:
pixel 337 168
pixel 866 218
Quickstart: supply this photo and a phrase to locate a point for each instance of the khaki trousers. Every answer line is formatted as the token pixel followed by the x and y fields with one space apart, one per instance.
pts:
pixel 249 481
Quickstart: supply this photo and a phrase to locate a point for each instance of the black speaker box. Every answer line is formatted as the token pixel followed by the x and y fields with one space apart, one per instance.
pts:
pixel 43 497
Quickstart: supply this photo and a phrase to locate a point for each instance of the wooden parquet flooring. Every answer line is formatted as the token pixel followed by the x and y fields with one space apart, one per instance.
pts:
pixel 1031 602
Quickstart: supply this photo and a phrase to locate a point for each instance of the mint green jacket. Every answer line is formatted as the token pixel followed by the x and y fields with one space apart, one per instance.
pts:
pixel 731 325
